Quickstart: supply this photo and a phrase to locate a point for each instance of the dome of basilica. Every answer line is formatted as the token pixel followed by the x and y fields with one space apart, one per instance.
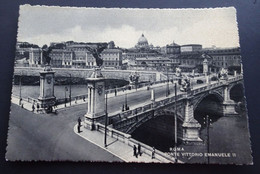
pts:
pixel 142 40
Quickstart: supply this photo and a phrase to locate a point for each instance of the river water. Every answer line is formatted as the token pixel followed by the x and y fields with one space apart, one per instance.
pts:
pixel 59 91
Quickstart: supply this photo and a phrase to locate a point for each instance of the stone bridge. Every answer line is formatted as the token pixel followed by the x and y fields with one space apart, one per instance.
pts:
pixel 151 76
pixel 187 103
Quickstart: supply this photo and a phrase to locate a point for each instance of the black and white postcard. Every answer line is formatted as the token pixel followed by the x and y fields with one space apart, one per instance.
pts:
pixel 128 85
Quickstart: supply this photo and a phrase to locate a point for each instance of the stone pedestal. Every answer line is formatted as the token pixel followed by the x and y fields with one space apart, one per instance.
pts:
pixel 228 104
pixel 191 131
pixel 205 67
pixel 152 95
pixel 229 108
pixel 207 79
pixel 47 98
pixel 96 99
pixel 190 126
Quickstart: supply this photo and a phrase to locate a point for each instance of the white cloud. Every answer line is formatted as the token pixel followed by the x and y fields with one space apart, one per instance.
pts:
pixel 204 26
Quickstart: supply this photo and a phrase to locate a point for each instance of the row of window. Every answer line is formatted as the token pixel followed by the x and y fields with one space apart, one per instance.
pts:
pixel 108 54
pixel 226 57
pixel 67 63
pixel 108 63
pixel 105 59
pixel 224 51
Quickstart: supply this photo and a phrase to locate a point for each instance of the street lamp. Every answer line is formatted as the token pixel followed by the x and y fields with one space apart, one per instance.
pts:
pixel 70 89
pixel 66 89
pixel 167 85
pixel 175 122
pixel 106 115
pixel 208 123
pixel 20 89
pixel 126 107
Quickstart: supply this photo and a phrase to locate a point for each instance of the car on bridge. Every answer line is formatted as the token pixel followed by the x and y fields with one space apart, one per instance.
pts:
pixel 214 78
pixel 196 75
pixel 199 81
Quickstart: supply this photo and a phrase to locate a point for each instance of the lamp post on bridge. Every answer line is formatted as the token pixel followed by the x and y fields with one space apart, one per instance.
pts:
pixel 70 89
pixel 175 122
pixel 20 89
pixel 167 85
pixel 70 81
pixel 126 107
pixel 65 89
pixel 207 122
pixel 106 115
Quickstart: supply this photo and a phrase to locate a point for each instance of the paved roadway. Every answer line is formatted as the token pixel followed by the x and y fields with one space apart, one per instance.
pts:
pixel 51 137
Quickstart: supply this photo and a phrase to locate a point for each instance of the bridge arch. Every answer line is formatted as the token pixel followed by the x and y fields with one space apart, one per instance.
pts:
pixel 157 131
pixel 209 104
pixel 201 98
pixel 159 113
pixel 236 92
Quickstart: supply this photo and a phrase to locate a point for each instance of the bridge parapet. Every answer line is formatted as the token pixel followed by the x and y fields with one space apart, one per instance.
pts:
pixel 214 85
pixel 129 120
pixel 84 73
pixel 127 139
pixel 122 121
pixel 169 100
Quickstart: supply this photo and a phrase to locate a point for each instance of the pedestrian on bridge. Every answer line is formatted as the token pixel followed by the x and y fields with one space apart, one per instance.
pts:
pixel 38 107
pixel 139 149
pixel 153 153
pixel 135 151
pixel 33 107
pixel 123 108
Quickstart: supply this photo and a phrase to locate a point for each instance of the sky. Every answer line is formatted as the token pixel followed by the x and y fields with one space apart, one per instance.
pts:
pixel 42 25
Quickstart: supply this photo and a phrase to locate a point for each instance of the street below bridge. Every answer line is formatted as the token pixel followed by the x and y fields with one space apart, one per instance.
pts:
pixel 50 137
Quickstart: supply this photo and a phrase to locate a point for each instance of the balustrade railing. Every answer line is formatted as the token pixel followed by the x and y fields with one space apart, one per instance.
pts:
pixel 121 119
pixel 126 138
pixel 74 98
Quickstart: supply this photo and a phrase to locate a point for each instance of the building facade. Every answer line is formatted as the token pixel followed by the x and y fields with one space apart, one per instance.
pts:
pixel 112 58
pixel 229 58
pixel 77 56
pixel 190 48
pixel 35 57
pixel 190 61
pixel 61 58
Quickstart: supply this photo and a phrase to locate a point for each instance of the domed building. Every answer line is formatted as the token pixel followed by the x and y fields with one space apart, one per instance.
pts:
pixel 142 42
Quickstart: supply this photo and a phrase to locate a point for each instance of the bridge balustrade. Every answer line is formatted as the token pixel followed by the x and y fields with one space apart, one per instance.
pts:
pixel 147 107
pixel 126 138
pixel 78 97
pixel 32 100
pixel 139 114
pixel 138 110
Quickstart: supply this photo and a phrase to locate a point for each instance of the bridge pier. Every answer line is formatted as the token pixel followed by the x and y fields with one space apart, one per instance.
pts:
pixel 47 98
pixel 190 126
pixel 228 104
pixel 96 99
